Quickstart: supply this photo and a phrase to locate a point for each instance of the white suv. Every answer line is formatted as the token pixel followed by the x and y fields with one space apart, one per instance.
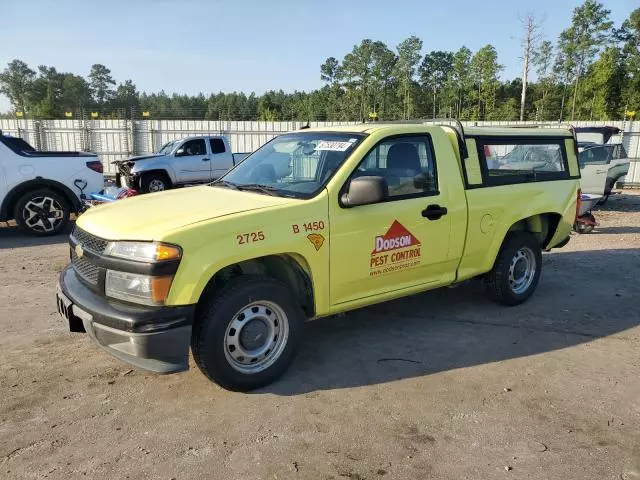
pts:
pixel 40 190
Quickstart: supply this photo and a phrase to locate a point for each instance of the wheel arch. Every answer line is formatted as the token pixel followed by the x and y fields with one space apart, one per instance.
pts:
pixel 542 225
pixel 290 268
pixel 12 197
pixel 162 168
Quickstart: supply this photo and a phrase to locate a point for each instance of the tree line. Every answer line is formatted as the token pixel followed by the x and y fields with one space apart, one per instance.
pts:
pixel 591 72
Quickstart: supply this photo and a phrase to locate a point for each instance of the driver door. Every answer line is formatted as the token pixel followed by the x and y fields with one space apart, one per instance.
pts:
pixel 192 162
pixel 594 165
pixel 399 243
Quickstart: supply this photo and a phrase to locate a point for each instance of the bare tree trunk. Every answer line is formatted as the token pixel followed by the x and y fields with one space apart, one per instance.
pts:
pixel 531 37
pixel 384 99
pixel 564 94
pixel 575 92
pixel 434 103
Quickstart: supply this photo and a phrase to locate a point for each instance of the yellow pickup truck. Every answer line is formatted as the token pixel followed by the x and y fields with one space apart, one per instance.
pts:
pixel 316 222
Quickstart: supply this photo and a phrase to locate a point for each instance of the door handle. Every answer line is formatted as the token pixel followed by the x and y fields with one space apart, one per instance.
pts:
pixel 434 212
pixel 205 159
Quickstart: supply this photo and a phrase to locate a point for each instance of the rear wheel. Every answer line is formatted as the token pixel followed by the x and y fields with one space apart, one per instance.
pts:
pixel 154 182
pixel 246 336
pixel 583 228
pixel 42 212
pixel 516 273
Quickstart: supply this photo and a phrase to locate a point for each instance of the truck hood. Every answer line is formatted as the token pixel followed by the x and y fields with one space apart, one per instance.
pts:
pixel 138 158
pixel 153 216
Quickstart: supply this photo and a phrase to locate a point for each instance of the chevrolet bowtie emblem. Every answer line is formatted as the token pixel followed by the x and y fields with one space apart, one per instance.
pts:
pixel 79 250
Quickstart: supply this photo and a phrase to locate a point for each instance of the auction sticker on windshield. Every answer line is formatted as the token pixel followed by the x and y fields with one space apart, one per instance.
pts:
pixel 335 145
pixel 395 250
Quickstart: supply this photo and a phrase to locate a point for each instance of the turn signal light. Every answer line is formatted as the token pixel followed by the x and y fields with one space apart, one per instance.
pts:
pixel 167 252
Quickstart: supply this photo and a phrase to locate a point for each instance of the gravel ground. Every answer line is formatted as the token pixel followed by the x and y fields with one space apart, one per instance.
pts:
pixel 441 385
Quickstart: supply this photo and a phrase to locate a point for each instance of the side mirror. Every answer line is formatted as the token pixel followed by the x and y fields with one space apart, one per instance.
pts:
pixel 180 152
pixel 423 182
pixel 365 191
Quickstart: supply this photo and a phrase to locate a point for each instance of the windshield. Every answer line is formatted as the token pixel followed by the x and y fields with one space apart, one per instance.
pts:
pixel 167 148
pixel 294 164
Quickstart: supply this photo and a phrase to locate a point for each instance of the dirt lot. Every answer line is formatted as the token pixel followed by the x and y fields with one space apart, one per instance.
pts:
pixel 443 385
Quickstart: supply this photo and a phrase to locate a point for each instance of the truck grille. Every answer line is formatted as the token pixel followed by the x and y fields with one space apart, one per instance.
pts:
pixel 88 241
pixel 83 267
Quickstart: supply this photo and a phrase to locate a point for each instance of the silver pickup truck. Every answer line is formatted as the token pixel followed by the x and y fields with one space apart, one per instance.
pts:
pixel 186 161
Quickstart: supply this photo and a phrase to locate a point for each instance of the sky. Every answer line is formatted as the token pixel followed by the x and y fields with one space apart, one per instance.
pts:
pixel 192 46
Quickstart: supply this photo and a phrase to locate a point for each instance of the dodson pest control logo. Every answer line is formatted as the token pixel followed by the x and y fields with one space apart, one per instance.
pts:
pixel 396 237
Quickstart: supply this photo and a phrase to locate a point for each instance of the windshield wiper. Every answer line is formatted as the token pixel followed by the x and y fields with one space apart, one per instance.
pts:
pixel 224 183
pixel 258 187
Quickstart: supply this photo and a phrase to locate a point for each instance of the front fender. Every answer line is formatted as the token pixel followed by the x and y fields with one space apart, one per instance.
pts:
pixel 154 164
pixel 213 245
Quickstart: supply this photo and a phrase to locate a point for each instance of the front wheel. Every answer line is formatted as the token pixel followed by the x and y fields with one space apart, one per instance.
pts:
pixel 154 182
pixel 246 336
pixel 42 212
pixel 517 269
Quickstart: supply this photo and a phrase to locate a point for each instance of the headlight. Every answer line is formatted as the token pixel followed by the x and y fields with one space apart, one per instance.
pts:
pixel 136 288
pixel 143 251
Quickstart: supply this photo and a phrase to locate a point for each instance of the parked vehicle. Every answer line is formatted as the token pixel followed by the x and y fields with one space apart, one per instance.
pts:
pixel 40 190
pixel 186 161
pixel 594 149
pixel 314 223
pixel 593 184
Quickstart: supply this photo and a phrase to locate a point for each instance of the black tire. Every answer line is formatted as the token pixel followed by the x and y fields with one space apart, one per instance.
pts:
pixel 582 228
pixel 214 323
pixel 499 285
pixel 154 182
pixel 42 212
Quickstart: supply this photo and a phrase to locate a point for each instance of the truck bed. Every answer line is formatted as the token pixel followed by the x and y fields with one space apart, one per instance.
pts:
pixel 22 148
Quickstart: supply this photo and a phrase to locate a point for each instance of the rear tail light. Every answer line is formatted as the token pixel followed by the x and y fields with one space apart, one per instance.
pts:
pixel 95 165
pixel 578 202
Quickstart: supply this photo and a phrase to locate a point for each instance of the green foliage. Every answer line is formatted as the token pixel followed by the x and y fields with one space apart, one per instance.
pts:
pixel 101 83
pixel 16 83
pixel 580 43
pixel 485 70
pixel 435 69
pixel 405 69
pixel 591 72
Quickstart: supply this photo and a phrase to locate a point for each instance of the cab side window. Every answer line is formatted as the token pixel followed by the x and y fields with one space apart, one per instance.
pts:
pixel 406 163
pixel 192 147
pixel 511 160
pixel 217 145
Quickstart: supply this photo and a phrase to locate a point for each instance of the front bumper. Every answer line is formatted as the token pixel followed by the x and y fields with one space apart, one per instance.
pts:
pixel 152 338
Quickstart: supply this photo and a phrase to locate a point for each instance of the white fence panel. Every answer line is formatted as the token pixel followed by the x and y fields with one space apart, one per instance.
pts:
pixel 120 139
